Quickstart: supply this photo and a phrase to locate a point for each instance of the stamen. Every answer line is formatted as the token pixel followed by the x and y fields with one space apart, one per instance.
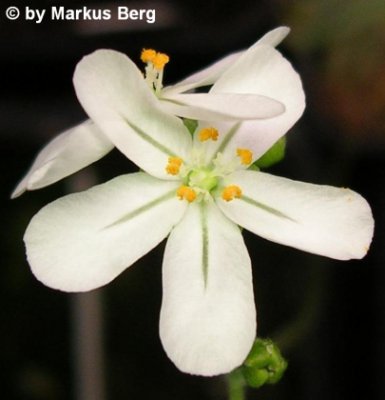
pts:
pixel 148 55
pixel 231 192
pixel 208 133
pixel 154 68
pixel 245 155
pixel 160 60
pixel 173 166
pixel 186 193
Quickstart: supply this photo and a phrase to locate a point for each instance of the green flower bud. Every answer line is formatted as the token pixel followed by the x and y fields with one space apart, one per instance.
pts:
pixel 264 364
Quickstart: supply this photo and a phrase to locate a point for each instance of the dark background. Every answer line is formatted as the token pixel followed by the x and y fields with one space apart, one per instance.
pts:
pixel 328 316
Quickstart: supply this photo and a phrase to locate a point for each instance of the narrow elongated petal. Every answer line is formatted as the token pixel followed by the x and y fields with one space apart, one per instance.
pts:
pixel 84 240
pixel 333 222
pixel 223 106
pixel 212 73
pixel 262 70
pixel 114 94
pixel 67 153
pixel 208 321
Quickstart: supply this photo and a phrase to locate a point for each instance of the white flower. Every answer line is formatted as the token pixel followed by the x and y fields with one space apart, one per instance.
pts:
pixel 196 191
pixel 80 146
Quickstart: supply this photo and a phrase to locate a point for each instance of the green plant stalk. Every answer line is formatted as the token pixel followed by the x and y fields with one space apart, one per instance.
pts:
pixel 236 385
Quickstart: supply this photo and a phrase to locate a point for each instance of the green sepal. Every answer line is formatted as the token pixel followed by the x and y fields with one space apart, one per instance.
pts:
pixel 190 124
pixel 254 167
pixel 264 364
pixel 275 154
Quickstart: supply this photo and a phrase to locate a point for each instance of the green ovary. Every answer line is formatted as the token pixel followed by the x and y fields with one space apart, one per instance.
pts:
pixel 203 178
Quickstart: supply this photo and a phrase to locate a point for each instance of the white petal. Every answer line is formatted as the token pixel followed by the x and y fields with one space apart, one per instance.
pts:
pixel 208 321
pixel 222 106
pixel 274 37
pixel 262 70
pixel 334 222
pixel 205 77
pixel 114 94
pixel 84 240
pixel 67 153
pixel 211 74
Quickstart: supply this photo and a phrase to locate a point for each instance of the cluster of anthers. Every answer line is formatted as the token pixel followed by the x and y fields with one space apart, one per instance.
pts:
pixel 200 180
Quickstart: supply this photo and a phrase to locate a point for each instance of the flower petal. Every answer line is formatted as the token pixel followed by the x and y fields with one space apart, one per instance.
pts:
pixel 274 37
pixel 114 94
pixel 333 222
pixel 205 77
pixel 212 73
pixel 67 153
pixel 84 240
pixel 223 106
pixel 207 321
pixel 262 70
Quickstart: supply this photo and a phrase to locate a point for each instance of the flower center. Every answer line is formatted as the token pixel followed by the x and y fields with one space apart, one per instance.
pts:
pixel 203 178
pixel 202 182
pixel 154 69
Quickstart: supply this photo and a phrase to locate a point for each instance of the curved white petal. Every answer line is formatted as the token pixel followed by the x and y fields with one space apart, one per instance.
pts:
pixel 262 70
pixel 208 321
pixel 274 37
pixel 222 106
pixel 205 77
pixel 114 94
pixel 84 240
pixel 212 73
pixel 67 153
pixel 334 222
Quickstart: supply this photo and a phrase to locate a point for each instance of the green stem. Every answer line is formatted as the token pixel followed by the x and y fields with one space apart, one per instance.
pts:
pixel 236 385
